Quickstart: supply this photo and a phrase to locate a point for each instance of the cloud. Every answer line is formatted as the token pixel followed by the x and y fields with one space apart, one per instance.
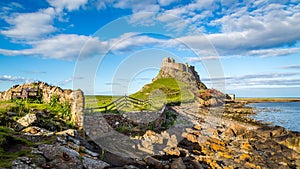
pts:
pixel 255 29
pixel 8 78
pixel 291 67
pixel 30 26
pixel 266 80
pixel 269 26
pixel 235 44
pixel 69 5
pixel 7 8
pixel 266 30
pixel 63 46
pixel 274 52
pixel 36 25
pixel 200 59
pixel 166 2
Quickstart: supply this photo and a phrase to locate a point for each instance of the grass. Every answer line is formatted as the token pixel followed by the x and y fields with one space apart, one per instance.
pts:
pixel 167 90
pixel 58 112
pixel 7 138
pixel 12 144
pixel 161 91
pixel 99 100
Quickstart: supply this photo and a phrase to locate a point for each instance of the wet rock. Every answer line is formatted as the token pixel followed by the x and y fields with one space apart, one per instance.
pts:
pixel 89 163
pixel 25 121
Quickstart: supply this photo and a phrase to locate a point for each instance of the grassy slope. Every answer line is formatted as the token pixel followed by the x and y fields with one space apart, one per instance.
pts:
pixel 174 91
pixel 99 100
pixel 11 138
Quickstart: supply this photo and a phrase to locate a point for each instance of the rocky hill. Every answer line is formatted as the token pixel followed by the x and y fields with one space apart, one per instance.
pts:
pixel 180 72
pixel 190 136
pixel 44 92
pixel 181 83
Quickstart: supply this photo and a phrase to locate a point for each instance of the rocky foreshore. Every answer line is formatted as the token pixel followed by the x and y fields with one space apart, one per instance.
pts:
pixel 209 140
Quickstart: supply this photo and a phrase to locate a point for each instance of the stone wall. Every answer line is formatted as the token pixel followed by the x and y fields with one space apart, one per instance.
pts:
pixel 74 97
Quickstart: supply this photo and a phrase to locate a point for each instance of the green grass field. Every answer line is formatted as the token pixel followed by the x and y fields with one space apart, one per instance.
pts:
pixel 160 92
pixel 171 89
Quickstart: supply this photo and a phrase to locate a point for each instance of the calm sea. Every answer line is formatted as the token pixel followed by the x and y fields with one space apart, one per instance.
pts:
pixel 285 114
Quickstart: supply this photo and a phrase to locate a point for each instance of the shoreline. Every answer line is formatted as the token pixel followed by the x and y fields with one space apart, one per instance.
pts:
pixel 263 100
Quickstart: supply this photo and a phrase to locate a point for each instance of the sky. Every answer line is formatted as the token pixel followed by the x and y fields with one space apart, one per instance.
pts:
pixel 250 48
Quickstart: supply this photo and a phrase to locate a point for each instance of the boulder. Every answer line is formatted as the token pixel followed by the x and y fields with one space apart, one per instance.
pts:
pixel 234 130
pixel 26 121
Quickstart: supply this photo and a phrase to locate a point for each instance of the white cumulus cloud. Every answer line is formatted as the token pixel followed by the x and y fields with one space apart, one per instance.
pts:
pixel 30 26
pixel 70 5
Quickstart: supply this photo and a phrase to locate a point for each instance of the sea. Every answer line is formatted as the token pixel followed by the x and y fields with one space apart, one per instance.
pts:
pixel 285 114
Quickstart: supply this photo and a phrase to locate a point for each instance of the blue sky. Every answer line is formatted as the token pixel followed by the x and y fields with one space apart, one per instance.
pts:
pixel 250 48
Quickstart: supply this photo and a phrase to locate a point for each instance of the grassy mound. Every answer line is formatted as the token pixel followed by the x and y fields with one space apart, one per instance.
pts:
pixel 165 89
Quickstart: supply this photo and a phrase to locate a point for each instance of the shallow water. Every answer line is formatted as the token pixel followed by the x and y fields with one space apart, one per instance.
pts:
pixel 285 114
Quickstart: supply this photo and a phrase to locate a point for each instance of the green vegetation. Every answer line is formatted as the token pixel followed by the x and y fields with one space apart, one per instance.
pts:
pixel 9 144
pixel 57 111
pixel 160 92
pixel 56 117
pixel 170 119
pixel 167 90
pixel 98 101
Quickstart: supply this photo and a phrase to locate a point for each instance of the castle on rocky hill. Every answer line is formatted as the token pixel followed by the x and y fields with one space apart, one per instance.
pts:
pixel 181 72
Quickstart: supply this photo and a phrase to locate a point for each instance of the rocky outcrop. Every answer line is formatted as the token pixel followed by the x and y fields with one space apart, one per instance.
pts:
pixel 196 140
pixel 181 72
pixel 45 91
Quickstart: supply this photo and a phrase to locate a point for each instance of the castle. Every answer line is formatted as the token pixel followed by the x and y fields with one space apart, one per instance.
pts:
pixel 180 71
